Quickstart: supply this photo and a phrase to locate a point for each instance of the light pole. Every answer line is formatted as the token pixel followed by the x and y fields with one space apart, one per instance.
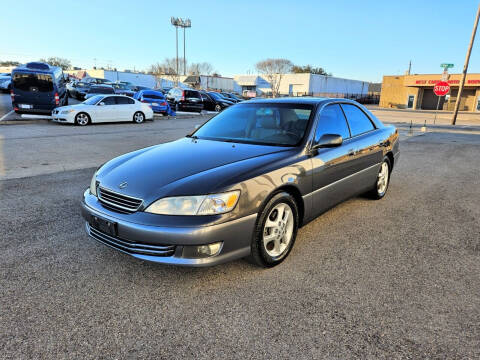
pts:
pixel 183 23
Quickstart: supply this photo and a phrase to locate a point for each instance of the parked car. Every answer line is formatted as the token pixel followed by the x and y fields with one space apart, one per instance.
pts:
pixel 155 99
pixel 78 90
pixel 242 183
pixel 99 89
pixel 37 88
pixel 185 100
pixel 231 97
pixel 164 90
pixel 93 80
pixel 5 81
pixel 104 108
pixel 121 88
pixel 213 104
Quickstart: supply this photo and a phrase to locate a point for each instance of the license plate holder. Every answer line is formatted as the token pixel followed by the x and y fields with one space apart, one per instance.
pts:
pixel 106 226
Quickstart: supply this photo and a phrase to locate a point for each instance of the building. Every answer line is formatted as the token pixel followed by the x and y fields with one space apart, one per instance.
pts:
pixel 304 84
pixel 209 82
pixel 135 78
pixel 416 92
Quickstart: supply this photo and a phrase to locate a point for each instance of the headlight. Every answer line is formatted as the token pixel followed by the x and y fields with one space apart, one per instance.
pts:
pixel 196 205
pixel 93 184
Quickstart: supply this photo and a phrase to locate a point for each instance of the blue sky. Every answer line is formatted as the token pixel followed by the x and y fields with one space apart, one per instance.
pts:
pixel 353 39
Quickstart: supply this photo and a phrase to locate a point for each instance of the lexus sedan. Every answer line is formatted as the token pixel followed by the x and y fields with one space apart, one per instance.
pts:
pixel 242 183
pixel 103 108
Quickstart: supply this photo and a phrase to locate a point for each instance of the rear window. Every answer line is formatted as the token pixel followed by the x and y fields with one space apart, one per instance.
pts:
pixel 33 82
pixel 152 96
pixel 192 94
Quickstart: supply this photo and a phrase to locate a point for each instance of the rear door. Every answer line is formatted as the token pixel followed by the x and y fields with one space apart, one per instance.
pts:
pixel 331 167
pixel 193 100
pixel 125 108
pixel 366 144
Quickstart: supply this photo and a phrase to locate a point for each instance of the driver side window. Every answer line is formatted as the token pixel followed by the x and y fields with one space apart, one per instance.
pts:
pixel 332 121
pixel 110 100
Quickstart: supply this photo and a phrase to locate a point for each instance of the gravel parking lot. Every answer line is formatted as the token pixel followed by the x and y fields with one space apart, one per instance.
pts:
pixel 397 278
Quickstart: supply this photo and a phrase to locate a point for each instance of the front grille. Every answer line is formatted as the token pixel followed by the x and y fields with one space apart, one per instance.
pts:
pixel 131 247
pixel 118 202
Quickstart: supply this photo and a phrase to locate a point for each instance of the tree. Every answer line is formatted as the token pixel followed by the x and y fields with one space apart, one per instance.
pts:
pixel 65 64
pixel 167 69
pixel 309 69
pixel 274 69
pixel 203 68
pixel 9 63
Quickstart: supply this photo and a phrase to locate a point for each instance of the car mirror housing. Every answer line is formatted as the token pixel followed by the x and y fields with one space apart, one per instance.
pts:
pixel 328 141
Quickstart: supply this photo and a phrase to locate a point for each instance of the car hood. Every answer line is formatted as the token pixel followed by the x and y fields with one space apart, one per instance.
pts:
pixel 149 170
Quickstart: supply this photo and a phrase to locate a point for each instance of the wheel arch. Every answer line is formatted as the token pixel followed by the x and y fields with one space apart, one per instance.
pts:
pixel 390 157
pixel 297 196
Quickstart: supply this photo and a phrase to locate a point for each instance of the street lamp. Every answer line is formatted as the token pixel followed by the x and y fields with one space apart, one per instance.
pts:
pixel 183 23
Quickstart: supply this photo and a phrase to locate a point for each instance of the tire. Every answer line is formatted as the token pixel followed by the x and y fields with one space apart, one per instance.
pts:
pixel 379 189
pixel 138 117
pixel 82 119
pixel 273 238
pixel 218 108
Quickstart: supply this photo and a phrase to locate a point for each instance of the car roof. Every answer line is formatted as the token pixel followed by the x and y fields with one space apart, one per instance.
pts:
pixel 304 100
pixel 37 67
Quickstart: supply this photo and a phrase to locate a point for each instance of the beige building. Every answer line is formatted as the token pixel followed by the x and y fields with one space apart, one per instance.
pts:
pixel 416 92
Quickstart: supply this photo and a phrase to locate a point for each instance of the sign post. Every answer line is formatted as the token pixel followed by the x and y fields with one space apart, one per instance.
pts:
pixel 440 89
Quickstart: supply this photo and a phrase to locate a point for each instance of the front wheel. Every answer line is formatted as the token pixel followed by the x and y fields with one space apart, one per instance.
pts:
pixel 218 108
pixel 275 231
pixel 138 117
pixel 82 119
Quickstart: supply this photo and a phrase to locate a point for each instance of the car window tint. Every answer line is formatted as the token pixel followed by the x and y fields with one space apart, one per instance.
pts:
pixel 110 100
pixel 153 96
pixel 358 121
pixel 33 82
pixel 332 121
pixel 122 100
pixel 192 94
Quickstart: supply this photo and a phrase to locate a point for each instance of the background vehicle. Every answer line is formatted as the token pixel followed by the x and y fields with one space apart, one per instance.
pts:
pixel 37 88
pixel 164 90
pixel 104 108
pixel 156 99
pixel 220 99
pixel 242 183
pixel 185 100
pixel 213 104
pixel 121 88
pixel 231 97
pixel 99 89
pixel 78 90
pixel 92 80
pixel 5 81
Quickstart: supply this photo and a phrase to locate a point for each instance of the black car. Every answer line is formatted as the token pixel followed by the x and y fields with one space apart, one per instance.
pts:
pixel 99 89
pixel 220 98
pixel 211 103
pixel 78 90
pixel 231 97
pixel 185 100
pixel 241 184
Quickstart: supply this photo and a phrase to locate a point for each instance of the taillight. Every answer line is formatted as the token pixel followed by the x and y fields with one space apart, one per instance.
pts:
pixel 183 96
pixel 12 95
pixel 163 104
pixel 57 99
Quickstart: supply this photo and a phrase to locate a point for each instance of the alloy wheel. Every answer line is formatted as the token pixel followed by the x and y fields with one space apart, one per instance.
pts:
pixel 82 119
pixel 138 117
pixel 382 180
pixel 278 230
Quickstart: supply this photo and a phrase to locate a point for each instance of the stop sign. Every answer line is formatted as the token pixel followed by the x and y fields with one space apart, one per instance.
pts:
pixel 441 88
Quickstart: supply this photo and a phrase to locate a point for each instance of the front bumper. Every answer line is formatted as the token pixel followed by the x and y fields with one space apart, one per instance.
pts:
pixel 139 240
pixel 63 118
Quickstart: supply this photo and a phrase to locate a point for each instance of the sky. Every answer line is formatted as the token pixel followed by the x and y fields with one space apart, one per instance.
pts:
pixel 361 40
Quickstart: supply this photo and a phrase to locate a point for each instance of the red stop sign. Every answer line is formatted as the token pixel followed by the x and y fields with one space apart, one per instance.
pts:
pixel 441 88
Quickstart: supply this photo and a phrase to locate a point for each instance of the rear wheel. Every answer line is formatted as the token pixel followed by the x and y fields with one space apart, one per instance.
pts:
pixel 138 117
pixel 82 119
pixel 383 180
pixel 275 231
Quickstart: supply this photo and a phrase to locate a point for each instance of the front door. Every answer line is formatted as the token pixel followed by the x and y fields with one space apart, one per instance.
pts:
pixel 331 166
pixel 106 112
pixel 410 101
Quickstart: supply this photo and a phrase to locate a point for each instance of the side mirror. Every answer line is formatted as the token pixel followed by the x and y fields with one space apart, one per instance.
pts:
pixel 101 103
pixel 328 141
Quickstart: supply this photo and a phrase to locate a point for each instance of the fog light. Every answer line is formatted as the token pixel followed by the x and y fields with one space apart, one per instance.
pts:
pixel 202 251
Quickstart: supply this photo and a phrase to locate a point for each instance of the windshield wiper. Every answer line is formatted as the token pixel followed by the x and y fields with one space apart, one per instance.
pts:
pixel 192 136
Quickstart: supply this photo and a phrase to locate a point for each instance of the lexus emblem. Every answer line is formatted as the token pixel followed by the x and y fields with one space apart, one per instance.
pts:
pixel 123 185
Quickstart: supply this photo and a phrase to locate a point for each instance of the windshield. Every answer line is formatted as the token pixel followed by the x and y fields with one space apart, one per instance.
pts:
pixel 269 124
pixel 215 96
pixel 93 100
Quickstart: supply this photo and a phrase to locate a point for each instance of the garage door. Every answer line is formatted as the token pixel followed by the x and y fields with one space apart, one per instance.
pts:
pixel 429 100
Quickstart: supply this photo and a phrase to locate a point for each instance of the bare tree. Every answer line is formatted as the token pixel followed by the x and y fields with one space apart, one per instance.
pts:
pixel 167 69
pixel 65 64
pixel 203 68
pixel 274 69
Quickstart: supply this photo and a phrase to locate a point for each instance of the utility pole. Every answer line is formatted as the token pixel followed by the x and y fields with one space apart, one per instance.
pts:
pixel 465 68
pixel 409 67
pixel 184 61
pixel 183 23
